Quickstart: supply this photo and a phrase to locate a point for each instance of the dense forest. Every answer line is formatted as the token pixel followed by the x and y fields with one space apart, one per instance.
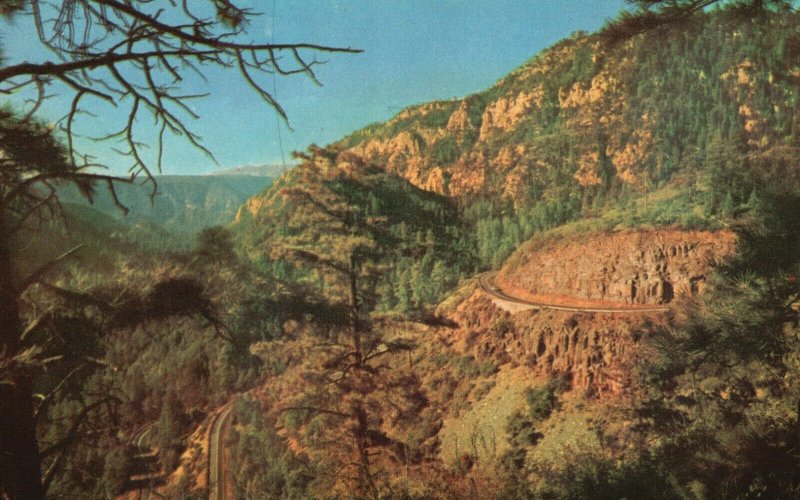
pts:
pixel 336 313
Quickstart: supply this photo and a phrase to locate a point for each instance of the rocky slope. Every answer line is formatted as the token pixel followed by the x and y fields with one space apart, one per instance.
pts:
pixel 584 116
pixel 594 352
pixel 574 131
pixel 631 267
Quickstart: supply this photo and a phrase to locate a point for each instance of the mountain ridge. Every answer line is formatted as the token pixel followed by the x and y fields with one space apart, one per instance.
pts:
pixel 182 205
pixel 583 116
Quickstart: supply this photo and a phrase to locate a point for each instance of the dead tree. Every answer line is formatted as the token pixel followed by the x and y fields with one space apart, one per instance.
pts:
pixel 135 57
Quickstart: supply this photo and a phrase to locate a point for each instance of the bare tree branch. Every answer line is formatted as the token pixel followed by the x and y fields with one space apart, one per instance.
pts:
pixel 138 52
pixel 39 273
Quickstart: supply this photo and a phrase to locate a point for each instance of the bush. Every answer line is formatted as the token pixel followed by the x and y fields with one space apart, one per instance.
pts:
pixel 460 403
pixel 487 368
pixel 543 400
pixel 445 151
pixel 466 367
pixel 598 477
pixel 482 390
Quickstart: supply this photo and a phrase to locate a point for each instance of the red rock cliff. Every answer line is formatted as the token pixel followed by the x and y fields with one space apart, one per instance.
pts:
pixel 596 352
pixel 632 267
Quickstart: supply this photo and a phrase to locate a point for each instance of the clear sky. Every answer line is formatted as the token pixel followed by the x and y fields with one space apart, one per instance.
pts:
pixel 414 51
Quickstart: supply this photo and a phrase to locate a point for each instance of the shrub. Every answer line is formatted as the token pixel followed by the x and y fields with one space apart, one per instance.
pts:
pixel 543 400
pixel 501 326
pixel 116 470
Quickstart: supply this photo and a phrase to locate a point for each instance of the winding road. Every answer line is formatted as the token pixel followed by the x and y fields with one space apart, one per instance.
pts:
pixel 216 445
pixel 486 281
pixel 216 454
pixel 139 436
pixel 147 471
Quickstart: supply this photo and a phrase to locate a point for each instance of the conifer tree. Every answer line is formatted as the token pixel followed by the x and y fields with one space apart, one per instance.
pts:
pixel 353 394
pixel 649 15
pixel 64 336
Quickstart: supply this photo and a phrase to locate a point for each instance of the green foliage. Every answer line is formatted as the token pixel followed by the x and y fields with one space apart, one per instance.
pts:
pixel 467 367
pixel 423 250
pixel 445 151
pixel 722 383
pixel 166 370
pixel 711 97
pixel 182 206
pixel 583 475
pixel 173 423
pixel 581 68
pixel 501 326
pixel 215 245
pixel 116 471
pixel 265 467
pixel 721 386
pixel 661 15
pixel 500 229
pixel 477 103
pixel 519 427
pixel 411 120
pixel 543 400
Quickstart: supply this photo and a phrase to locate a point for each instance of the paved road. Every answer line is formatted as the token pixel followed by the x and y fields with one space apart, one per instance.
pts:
pixel 216 454
pixel 147 469
pixel 139 441
pixel 486 281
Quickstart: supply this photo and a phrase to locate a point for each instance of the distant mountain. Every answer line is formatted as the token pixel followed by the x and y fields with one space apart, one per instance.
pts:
pixel 182 206
pixel 253 170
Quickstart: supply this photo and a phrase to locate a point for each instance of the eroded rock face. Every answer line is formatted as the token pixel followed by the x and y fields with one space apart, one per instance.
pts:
pixel 504 113
pixel 594 352
pixel 641 267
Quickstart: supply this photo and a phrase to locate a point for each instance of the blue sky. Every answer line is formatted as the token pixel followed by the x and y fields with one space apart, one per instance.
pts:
pixel 414 51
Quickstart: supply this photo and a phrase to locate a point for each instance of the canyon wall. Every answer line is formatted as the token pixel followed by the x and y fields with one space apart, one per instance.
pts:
pixel 630 267
pixel 594 352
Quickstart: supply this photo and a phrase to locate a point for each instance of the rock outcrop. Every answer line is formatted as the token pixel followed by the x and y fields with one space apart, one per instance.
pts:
pixel 631 267
pixel 594 352
pixel 588 116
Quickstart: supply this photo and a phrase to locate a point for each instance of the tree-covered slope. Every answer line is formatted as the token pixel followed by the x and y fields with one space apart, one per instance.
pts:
pixel 421 248
pixel 182 205
pixel 663 129
pixel 582 119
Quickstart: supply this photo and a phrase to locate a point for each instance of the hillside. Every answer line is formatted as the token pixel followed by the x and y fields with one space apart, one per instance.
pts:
pixel 651 131
pixel 272 171
pixel 423 250
pixel 581 121
pixel 651 173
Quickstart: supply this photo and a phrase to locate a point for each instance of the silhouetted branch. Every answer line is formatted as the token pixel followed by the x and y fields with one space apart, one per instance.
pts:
pixel 649 15
pixel 138 54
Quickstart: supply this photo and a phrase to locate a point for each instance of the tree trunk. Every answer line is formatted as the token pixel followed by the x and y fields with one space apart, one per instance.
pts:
pixel 20 468
pixel 367 485
pixel 355 327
